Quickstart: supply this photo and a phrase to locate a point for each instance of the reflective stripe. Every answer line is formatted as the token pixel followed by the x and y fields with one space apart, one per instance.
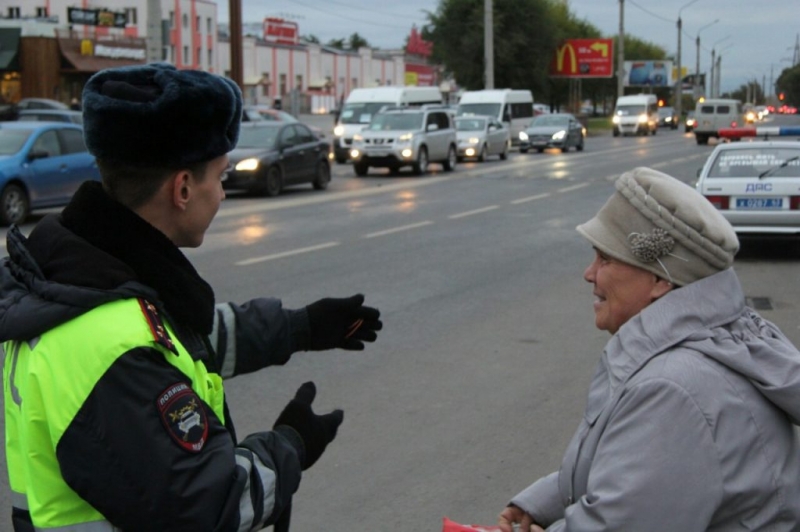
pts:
pixel 247 518
pixel 19 500
pixel 244 459
pixel 13 375
pixel 229 321
pixel 268 483
pixel 94 526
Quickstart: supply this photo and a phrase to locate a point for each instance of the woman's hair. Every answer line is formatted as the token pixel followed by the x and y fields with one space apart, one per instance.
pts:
pixel 133 186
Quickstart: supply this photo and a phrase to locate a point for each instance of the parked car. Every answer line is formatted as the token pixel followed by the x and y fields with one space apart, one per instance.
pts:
pixel 755 185
pixel 271 156
pixel 399 136
pixel 691 121
pixel 480 137
pixel 251 113
pixel 556 130
pixel 41 165
pixel 40 103
pixel 667 117
pixel 51 115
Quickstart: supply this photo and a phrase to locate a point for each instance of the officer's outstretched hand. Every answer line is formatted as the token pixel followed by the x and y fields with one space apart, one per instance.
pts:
pixel 315 432
pixel 344 323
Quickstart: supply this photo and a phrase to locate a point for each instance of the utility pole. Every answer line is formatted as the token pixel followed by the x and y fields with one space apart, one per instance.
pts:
pixel 235 16
pixel 621 50
pixel 488 45
pixel 679 82
pixel 713 70
pixel 155 46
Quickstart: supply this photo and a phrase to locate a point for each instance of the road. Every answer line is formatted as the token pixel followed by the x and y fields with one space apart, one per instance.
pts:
pixel 479 377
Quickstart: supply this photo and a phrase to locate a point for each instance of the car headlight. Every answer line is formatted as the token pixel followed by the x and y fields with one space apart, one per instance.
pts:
pixel 559 135
pixel 338 131
pixel 523 135
pixel 247 165
pixel 615 120
pixel 668 119
pixel 474 140
pixel 642 119
pixel 405 137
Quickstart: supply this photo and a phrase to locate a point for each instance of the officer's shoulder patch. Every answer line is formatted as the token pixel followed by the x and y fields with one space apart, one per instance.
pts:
pixel 157 328
pixel 184 416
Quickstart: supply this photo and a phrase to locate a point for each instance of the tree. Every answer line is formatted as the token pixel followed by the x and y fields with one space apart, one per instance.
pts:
pixel 356 41
pixel 310 38
pixel 336 43
pixel 788 83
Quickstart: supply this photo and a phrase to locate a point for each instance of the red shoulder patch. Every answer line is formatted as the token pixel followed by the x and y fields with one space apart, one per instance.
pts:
pixel 160 334
pixel 184 416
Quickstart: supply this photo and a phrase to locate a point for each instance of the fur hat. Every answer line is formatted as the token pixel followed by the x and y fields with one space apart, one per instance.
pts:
pixel 657 223
pixel 156 115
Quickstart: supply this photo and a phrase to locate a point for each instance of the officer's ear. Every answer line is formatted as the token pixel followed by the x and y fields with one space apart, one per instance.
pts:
pixel 180 188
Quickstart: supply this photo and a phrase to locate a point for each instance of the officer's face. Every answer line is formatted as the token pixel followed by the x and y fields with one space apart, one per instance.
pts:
pixel 206 194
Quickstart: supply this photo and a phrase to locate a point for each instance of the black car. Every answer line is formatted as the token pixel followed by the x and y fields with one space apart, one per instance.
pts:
pixel 556 130
pixel 271 156
pixel 667 117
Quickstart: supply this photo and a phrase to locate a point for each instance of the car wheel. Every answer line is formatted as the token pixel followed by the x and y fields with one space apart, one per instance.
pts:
pixel 361 168
pixel 340 159
pixel 616 133
pixel 523 150
pixel 579 147
pixel 421 165
pixel 452 160
pixel 273 183
pixel 564 148
pixel 539 150
pixel 654 131
pixel 460 159
pixel 482 154
pixel 15 205
pixel 323 176
pixel 504 154
pixel 701 139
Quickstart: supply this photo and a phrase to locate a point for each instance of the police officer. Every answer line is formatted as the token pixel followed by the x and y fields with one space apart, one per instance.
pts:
pixel 115 350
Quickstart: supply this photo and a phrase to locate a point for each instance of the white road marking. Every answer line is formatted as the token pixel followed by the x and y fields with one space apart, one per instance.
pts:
pixel 530 198
pixel 398 229
pixel 470 213
pixel 283 254
pixel 573 187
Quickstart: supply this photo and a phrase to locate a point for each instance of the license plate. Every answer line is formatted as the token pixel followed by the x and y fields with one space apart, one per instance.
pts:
pixel 759 203
pixel 539 143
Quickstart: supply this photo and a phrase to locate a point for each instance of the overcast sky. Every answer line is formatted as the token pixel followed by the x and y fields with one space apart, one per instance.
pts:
pixel 752 36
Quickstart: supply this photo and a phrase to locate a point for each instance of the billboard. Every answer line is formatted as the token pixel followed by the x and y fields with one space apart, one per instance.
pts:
pixel 649 74
pixel 280 31
pixel 584 58
pixel 96 17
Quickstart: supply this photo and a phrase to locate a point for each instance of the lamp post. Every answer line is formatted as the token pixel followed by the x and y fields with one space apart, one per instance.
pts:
pixel 711 84
pixel 697 66
pixel 679 82
pixel 621 50
pixel 718 69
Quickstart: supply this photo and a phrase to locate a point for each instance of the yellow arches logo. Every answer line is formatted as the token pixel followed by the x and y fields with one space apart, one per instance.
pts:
pixel 573 63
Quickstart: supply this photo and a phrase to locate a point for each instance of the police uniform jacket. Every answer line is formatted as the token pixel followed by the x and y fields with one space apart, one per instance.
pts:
pixel 140 464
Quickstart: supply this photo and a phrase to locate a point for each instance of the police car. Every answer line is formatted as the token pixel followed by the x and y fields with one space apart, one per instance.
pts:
pixel 755 185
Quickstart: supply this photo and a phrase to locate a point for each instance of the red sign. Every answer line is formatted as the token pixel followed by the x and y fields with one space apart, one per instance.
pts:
pixel 584 58
pixel 280 31
pixel 417 45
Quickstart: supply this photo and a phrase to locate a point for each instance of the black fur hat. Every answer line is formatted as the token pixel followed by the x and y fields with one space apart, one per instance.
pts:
pixel 155 115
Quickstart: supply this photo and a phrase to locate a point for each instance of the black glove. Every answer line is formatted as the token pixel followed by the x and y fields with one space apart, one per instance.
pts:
pixel 307 431
pixel 344 323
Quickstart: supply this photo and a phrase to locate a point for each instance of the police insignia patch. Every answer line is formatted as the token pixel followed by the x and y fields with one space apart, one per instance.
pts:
pixel 184 416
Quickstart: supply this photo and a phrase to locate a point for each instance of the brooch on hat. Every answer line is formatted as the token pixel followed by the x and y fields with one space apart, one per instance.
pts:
pixel 650 247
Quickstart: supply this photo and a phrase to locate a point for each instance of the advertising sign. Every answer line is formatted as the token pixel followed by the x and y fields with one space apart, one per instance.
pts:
pixel 584 58
pixel 280 31
pixel 96 17
pixel 649 74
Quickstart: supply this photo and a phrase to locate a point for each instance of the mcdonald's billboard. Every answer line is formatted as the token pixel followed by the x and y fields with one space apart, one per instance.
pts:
pixel 584 58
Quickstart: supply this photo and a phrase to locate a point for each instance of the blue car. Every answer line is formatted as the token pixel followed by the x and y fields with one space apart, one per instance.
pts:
pixel 42 164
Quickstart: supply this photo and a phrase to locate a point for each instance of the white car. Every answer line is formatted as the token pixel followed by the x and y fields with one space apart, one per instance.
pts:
pixel 480 137
pixel 755 185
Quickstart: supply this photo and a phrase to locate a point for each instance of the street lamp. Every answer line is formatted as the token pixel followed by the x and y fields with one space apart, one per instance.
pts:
pixel 719 68
pixel 679 83
pixel 697 67
pixel 713 68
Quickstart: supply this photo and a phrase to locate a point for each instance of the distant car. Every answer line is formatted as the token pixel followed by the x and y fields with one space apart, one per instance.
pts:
pixel 40 103
pixel 541 109
pixel 51 115
pixel 271 156
pixel 755 185
pixel 42 164
pixel 690 122
pixel 556 130
pixel 252 113
pixel 480 137
pixel 667 117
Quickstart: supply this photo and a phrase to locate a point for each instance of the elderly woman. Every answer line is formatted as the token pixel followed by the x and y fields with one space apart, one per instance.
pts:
pixel 689 418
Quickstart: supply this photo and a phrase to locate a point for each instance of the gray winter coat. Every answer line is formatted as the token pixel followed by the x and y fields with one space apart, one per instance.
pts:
pixel 689 425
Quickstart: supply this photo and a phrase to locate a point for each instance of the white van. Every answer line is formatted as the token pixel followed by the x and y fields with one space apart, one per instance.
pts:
pixel 514 108
pixel 363 103
pixel 714 114
pixel 636 114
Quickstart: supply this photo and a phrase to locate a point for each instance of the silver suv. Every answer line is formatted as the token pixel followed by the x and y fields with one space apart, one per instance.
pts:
pixel 406 137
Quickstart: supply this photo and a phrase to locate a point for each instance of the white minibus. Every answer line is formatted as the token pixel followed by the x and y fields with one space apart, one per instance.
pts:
pixel 514 108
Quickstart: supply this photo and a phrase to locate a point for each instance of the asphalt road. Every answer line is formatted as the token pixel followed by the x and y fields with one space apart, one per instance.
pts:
pixel 479 377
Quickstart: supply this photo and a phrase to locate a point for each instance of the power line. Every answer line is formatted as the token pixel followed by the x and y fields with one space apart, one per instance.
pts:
pixel 650 12
pixel 373 10
pixel 362 21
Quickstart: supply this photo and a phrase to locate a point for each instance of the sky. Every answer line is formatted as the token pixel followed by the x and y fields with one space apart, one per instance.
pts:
pixel 756 38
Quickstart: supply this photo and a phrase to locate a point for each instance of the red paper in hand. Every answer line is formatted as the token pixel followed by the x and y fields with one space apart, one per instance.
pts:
pixel 452 526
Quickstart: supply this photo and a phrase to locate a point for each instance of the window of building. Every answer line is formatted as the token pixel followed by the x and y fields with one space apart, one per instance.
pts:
pixel 172 19
pixel 210 58
pixel 197 23
pixel 209 25
pixel 13 12
pixel 354 83
pixel 130 15
pixel 41 12
pixel 186 57
pixel 185 20
pixel 282 84
pixel 298 82
pixel 265 83
pixel 165 54
pixel 199 56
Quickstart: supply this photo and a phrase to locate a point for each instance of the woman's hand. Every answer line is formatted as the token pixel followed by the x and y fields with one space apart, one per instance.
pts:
pixel 512 515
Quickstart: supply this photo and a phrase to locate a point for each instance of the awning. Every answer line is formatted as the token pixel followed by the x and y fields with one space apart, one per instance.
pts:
pixel 9 48
pixel 93 63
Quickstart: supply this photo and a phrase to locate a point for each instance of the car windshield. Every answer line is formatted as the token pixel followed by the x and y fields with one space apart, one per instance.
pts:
pixel 549 121
pixel 396 122
pixel 478 109
pixel 257 137
pixel 276 115
pixel 361 113
pixel 666 111
pixel 629 110
pixel 470 124
pixel 752 162
pixel 11 140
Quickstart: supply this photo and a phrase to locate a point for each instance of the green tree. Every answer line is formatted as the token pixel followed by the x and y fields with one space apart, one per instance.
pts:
pixel 310 38
pixel 356 41
pixel 788 83
pixel 336 43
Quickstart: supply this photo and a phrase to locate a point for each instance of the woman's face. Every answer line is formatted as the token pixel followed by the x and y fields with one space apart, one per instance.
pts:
pixel 621 291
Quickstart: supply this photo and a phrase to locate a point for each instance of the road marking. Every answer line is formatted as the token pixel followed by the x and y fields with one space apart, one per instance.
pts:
pixel 530 198
pixel 573 187
pixel 298 251
pixel 470 213
pixel 398 229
